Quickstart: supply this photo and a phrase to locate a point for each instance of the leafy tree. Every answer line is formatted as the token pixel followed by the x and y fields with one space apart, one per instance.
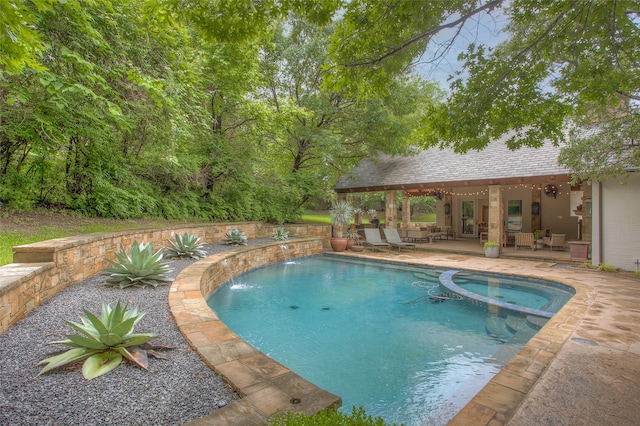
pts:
pixel 564 62
pixel 319 133
pixel 20 41
pixel 87 122
pixel 241 21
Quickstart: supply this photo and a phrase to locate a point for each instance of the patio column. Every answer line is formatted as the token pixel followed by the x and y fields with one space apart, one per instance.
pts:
pixel 391 210
pixel 495 214
pixel 406 210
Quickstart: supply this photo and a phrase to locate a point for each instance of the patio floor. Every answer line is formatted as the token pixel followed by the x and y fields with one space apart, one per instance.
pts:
pixel 472 246
pixel 581 368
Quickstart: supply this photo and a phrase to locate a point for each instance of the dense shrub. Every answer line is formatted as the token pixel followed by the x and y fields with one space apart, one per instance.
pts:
pixel 358 417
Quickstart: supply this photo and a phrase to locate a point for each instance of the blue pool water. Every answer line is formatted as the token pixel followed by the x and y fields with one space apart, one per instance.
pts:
pixel 373 334
pixel 528 293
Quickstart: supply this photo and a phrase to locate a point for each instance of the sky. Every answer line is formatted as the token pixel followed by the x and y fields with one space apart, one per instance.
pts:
pixel 438 62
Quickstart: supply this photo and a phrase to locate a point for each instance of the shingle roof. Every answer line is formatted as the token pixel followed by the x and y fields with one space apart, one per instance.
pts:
pixel 496 163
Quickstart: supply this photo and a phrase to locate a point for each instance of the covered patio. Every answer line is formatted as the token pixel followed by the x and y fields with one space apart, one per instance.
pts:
pixel 490 194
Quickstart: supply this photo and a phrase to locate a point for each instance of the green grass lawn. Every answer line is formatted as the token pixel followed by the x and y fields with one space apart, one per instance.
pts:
pixel 10 239
pixel 325 218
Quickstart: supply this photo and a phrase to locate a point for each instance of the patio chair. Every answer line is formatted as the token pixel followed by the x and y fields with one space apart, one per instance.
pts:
pixel 525 239
pixel 393 238
pixel 373 239
pixel 555 241
pixel 484 237
pixel 422 234
pixel 447 232
pixel 417 234
pixel 508 239
pixel 404 233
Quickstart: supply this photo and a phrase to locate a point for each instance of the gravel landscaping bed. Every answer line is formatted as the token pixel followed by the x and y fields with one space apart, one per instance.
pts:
pixel 172 391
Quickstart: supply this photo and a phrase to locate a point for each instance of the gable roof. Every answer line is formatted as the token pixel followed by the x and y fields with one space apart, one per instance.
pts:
pixel 435 168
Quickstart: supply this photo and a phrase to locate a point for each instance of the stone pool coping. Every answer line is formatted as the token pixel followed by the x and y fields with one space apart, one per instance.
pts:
pixel 526 391
pixel 265 385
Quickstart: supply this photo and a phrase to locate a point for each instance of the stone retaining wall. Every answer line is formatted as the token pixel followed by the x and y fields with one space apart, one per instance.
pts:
pixel 42 269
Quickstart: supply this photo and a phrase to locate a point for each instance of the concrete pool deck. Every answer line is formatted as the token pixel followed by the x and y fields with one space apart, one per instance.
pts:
pixel 582 368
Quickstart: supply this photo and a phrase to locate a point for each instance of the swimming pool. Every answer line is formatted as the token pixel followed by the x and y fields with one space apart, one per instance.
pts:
pixel 372 333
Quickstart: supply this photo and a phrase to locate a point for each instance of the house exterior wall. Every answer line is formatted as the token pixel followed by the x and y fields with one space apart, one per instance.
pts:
pixel 620 223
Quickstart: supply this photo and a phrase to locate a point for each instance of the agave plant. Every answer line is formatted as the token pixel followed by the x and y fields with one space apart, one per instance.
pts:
pixel 186 246
pixel 280 234
pixel 140 268
pixel 104 342
pixel 236 238
pixel 341 213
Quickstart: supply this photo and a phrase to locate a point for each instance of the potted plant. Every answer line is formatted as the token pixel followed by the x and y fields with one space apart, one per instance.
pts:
pixel 358 243
pixel 491 249
pixel 341 213
pixel 351 238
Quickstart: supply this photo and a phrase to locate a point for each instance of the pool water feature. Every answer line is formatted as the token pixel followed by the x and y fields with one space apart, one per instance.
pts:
pixel 372 333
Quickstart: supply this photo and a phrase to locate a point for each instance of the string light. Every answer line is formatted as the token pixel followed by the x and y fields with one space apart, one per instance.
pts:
pixel 439 192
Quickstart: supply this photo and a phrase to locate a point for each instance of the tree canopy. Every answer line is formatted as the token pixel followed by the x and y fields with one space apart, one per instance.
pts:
pixel 245 109
pixel 121 110
pixel 564 65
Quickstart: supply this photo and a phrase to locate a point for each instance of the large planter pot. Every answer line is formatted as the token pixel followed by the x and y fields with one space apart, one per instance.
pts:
pixel 350 243
pixel 339 244
pixel 492 251
pixel 579 250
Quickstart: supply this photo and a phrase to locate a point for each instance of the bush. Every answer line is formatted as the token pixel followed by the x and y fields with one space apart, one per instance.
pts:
pixel 358 417
pixel 605 267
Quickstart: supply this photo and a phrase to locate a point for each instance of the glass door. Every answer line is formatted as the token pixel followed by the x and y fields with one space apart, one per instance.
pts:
pixel 514 216
pixel 468 217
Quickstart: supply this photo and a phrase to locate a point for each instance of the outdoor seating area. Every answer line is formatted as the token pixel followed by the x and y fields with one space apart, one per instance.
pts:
pixel 384 239
pixel 429 233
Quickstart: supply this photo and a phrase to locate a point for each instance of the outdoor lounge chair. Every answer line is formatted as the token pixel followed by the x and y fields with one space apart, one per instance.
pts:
pixel 525 239
pixel 373 239
pixel 393 238
pixel 555 241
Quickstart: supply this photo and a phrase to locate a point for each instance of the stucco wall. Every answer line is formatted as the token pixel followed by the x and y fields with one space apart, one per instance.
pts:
pixel 555 212
pixel 620 212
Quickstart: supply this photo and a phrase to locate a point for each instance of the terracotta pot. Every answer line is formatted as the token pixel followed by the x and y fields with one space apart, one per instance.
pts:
pixel 351 242
pixel 357 248
pixel 339 244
